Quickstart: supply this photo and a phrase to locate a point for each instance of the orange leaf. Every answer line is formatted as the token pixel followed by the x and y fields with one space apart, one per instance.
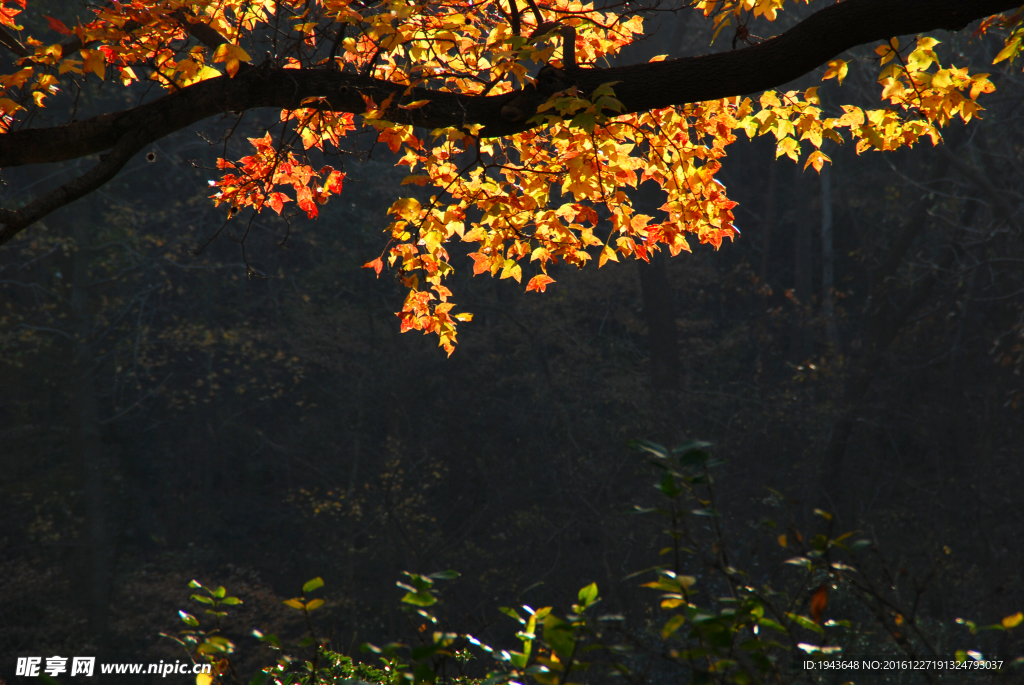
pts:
pixel 415 105
pixel 819 600
pixel 376 265
pixel 539 283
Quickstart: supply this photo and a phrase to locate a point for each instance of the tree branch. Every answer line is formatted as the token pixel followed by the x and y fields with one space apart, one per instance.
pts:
pixel 111 163
pixel 640 87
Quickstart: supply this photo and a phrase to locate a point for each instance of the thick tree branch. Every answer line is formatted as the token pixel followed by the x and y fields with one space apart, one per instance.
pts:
pixel 639 87
pixel 15 220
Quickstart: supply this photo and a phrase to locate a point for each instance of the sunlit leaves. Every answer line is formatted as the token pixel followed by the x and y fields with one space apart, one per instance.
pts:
pixel 560 193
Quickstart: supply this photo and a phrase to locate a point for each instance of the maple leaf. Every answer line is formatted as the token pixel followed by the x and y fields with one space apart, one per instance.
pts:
pixel 58 26
pixel 232 55
pixel 539 283
pixel 493 176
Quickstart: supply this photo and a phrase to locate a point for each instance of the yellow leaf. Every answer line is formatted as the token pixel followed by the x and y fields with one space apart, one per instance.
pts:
pixel 836 68
pixel 511 269
pixel 96 62
pixel 788 147
pixel 314 604
pixel 205 73
pixel 204 679
pixel 415 105
pixel 232 55
pixel 1013 621
pixel 941 79
pixel 465 316
pixel 816 159
pixel 1011 50
pixel 294 603
pixel 606 254
pixel 416 179
pixel 782 540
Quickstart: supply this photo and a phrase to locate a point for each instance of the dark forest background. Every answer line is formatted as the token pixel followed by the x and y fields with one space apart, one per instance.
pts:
pixel 246 413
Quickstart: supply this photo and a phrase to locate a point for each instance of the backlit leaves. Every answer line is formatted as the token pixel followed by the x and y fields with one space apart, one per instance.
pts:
pixel 559 193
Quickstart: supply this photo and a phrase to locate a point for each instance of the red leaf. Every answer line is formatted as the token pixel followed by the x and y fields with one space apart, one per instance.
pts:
pixel 58 26
pixel 819 600
pixel 277 200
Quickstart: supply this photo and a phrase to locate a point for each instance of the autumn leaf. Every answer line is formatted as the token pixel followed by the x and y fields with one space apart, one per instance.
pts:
pixel 590 150
pixel 837 68
pixel 819 600
pixel 1013 621
pixel 96 62
pixel 539 283
pixel 232 55
pixel 58 26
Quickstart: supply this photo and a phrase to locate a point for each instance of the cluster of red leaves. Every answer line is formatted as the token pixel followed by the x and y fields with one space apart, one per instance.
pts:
pixel 257 176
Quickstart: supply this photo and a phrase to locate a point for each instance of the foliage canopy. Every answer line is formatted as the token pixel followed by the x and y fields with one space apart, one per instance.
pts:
pixel 523 121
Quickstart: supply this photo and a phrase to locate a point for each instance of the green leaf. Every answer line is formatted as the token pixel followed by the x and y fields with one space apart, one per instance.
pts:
pixel 588 594
pixel 799 561
pixel 444 575
pixel 768 623
pixel 189 619
pixel 648 446
pixel 48 680
pixel 605 89
pixel 269 639
pixel 805 622
pixel 860 544
pixel 558 635
pixel 194 584
pixel 689 446
pixel 672 625
pixel 219 592
pixel 231 600
pixel 311 585
pixel 668 486
pixel 421 598
pixel 705 512
pixel 508 611
pixel 203 599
